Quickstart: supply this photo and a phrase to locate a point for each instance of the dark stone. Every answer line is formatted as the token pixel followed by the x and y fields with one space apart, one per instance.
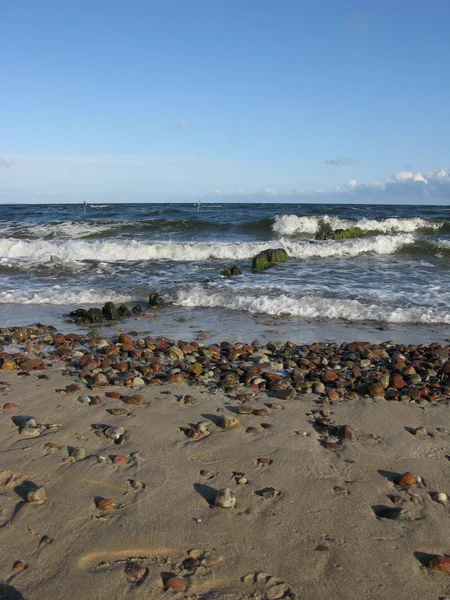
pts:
pixel 124 311
pixel 110 312
pixel 94 315
pixel 156 299
pixel 80 315
pixel 231 271
pixel 136 310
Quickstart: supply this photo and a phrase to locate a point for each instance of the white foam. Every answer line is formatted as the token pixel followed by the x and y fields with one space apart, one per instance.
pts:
pixel 111 251
pixel 66 229
pixel 443 244
pixel 293 224
pixel 309 306
pixel 61 295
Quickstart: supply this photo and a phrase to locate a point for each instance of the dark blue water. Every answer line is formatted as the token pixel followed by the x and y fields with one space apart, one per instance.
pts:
pixel 397 272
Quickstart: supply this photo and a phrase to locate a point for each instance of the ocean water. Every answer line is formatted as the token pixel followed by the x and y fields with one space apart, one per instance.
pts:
pixel 57 257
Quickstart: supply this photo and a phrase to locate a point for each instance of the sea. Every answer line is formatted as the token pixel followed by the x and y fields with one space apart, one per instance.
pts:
pixel 391 283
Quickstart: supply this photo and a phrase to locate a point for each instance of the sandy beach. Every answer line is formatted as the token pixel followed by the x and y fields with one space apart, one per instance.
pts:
pixel 114 490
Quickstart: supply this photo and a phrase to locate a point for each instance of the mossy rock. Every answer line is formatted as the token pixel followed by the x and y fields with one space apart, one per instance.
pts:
pixel 156 299
pixel 347 234
pixel 266 258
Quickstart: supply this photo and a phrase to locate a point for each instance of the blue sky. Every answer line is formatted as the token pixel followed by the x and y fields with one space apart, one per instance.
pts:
pixel 147 100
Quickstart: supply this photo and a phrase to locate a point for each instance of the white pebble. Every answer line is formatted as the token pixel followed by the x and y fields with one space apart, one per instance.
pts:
pixel 441 497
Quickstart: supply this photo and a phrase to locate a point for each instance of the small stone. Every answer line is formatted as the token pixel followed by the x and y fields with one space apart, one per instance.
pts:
pixel 440 563
pixel 321 548
pixel 106 504
pixel 277 592
pixel 264 461
pixel 37 495
pixel 261 412
pixel 9 365
pixel 268 492
pixel 20 565
pixel 421 431
pixel 228 422
pixel 340 490
pixel 440 497
pixel 53 447
pixel 245 410
pixel 78 454
pixel 225 498
pixel 120 459
pixel 176 583
pixel 136 572
pixel 10 406
pixel 252 430
pixel 138 382
pixel 407 479
pixel 136 400
pixel 114 432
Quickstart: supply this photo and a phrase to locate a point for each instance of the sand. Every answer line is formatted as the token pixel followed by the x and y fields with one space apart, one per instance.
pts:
pixel 307 541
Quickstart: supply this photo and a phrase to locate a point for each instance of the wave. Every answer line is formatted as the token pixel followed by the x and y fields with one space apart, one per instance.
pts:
pixel 62 296
pixel 131 250
pixel 309 306
pixel 295 225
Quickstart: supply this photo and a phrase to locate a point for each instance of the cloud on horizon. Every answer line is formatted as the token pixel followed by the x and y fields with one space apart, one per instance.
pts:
pixel 5 162
pixel 341 160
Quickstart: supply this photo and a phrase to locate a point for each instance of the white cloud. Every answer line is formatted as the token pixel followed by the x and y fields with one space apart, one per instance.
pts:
pixel 5 162
pixel 341 160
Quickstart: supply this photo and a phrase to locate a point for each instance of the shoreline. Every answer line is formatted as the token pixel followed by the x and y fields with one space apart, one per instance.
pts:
pixel 132 439
pixel 214 325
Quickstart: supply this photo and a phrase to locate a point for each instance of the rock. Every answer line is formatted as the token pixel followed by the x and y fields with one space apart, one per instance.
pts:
pixel 196 369
pixel 156 299
pixel 231 271
pixel 94 315
pixel 135 572
pixel 110 312
pixel 440 563
pixel 325 232
pixel 228 422
pixel 264 461
pixel 106 504
pixel 114 433
pixel 266 258
pixel 407 479
pixel 287 394
pixel 136 400
pixel 124 311
pixel 37 495
pixel 125 339
pixel 100 379
pixel 10 406
pixel 421 431
pixel 78 454
pixel 120 459
pixel 268 492
pixel 225 498
pixel 440 497
pixel 329 377
pixel 377 391
pixel 245 410
pixel 177 584
pixel 19 565
pixel 9 365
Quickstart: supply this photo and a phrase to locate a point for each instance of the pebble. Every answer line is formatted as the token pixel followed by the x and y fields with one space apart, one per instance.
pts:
pixel 78 454
pixel 264 461
pixel 394 512
pixel 421 431
pixel 407 479
pixel 114 432
pixel 225 498
pixel 440 497
pixel 106 504
pixel 228 422
pixel 440 563
pixel 20 565
pixel 268 492
pixel 37 495
pixel 176 583
pixel 136 400
pixel 136 572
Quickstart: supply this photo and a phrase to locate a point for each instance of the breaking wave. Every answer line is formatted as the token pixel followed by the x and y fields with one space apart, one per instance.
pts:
pixel 121 250
pixel 62 296
pixel 295 225
pixel 309 306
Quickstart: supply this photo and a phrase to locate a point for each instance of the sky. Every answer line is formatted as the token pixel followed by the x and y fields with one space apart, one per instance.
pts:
pixel 244 99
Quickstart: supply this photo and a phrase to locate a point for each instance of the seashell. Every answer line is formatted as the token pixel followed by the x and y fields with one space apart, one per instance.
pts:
pixel 440 497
